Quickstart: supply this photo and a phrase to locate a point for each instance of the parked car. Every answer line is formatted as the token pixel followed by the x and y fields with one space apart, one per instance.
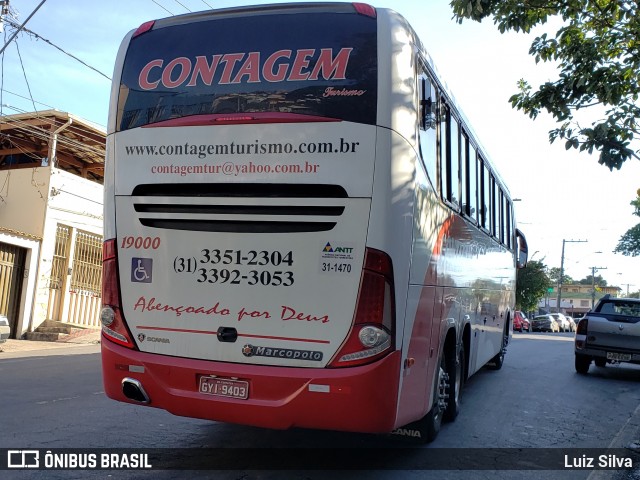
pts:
pixel 609 333
pixel 544 323
pixel 563 323
pixel 521 322
pixel 5 329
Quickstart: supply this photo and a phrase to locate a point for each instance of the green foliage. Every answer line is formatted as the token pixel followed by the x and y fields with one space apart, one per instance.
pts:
pixel 532 284
pixel 554 276
pixel 597 50
pixel 629 243
pixel 590 280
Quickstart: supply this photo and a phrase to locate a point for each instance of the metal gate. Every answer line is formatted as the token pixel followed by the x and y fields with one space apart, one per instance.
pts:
pixel 59 272
pixel 12 260
pixel 86 280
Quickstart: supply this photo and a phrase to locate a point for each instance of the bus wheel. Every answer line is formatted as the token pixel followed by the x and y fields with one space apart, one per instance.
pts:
pixel 498 360
pixel 455 371
pixel 429 425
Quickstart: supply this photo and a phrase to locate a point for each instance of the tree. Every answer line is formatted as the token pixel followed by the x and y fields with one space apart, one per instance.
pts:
pixel 597 49
pixel 589 280
pixel 532 284
pixel 629 243
pixel 554 275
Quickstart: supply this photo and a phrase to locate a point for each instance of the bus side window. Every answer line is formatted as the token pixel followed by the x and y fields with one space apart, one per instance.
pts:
pixel 454 162
pixel 427 131
pixel 472 179
pixel 443 140
pixel 502 214
pixel 495 209
pixel 508 235
pixel 485 195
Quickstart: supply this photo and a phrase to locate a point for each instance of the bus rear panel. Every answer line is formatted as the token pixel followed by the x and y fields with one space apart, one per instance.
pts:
pixel 238 284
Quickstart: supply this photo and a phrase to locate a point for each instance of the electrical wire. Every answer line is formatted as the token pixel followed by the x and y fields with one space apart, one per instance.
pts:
pixel 39 37
pixel 26 80
pixel 44 135
pixel 183 6
pixel 2 75
pixel 154 1
pixel 2 90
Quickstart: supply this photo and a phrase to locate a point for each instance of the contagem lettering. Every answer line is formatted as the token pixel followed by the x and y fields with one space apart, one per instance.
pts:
pixel 250 67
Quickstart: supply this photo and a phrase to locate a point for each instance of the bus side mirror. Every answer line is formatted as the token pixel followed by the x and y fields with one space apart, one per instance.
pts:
pixel 523 249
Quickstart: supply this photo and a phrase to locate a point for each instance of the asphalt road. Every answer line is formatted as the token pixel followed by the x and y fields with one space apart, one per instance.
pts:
pixel 54 399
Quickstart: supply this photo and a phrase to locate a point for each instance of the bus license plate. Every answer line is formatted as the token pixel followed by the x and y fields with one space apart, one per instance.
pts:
pixel 224 387
pixel 621 357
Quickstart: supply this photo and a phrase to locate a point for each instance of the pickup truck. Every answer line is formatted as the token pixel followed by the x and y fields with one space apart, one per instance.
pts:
pixel 609 333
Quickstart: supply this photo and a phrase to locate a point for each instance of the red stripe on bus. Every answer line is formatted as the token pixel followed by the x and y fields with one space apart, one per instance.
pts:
pixel 184 330
pixel 239 118
pixel 309 340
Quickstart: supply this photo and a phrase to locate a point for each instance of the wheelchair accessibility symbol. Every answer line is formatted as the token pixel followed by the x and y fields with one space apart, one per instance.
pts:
pixel 141 270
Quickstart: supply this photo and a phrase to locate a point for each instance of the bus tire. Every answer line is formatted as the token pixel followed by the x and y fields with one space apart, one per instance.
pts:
pixel 429 425
pixel 455 369
pixel 497 361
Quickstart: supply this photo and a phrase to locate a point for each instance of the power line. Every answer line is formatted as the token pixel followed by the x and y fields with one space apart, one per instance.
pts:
pixel 4 90
pixel 24 73
pixel 39 37
pixel 15 34
pixel 182 5
pixel 154 1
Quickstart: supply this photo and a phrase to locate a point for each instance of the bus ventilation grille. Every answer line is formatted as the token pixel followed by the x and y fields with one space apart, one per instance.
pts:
pixel 240 208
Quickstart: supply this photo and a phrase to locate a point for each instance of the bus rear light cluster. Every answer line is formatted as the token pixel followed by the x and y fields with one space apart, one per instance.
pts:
pixel 113 324
pixel 372 335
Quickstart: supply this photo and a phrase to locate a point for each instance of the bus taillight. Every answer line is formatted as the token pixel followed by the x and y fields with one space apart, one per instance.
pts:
pixel 365 9
pixel 113 325
pixel 372 335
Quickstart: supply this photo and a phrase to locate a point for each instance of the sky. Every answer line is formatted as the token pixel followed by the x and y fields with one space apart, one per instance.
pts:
pixel 563 195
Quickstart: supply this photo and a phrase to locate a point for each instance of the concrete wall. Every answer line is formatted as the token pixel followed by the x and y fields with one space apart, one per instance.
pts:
pixel 23 199
pixel 33 201
pixel 77 203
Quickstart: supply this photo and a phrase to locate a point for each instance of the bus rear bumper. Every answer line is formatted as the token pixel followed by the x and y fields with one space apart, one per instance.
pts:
pixel 357 399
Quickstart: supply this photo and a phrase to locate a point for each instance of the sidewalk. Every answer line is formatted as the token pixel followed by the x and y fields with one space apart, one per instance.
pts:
pixel 87 337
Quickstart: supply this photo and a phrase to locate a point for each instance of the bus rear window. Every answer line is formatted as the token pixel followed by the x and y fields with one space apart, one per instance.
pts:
pixel 320 64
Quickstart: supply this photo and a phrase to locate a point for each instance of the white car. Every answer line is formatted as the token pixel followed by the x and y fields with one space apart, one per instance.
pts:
pixel 610 333
pixel 5 329
pixel 563 322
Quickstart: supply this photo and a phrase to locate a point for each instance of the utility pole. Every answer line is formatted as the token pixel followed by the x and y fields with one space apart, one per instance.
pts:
pixel 628 285
pixel 559 299
pixel 15 34
pixel 4 11
pixel 593 283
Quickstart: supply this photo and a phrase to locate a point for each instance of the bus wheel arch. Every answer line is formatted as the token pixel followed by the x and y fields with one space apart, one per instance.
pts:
pixel 498 360
pixel 454 362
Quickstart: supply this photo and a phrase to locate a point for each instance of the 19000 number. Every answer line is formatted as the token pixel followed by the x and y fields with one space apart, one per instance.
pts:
pixel 254 277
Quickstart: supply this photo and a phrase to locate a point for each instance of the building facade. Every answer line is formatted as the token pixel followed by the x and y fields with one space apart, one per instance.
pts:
pixel 51 171
pixel 577 299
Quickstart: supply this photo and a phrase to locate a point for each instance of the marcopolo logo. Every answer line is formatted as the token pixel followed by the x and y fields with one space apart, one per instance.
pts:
pixel 257 351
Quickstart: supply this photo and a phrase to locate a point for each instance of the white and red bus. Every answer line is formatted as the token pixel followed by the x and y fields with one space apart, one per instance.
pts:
pixel 302 229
